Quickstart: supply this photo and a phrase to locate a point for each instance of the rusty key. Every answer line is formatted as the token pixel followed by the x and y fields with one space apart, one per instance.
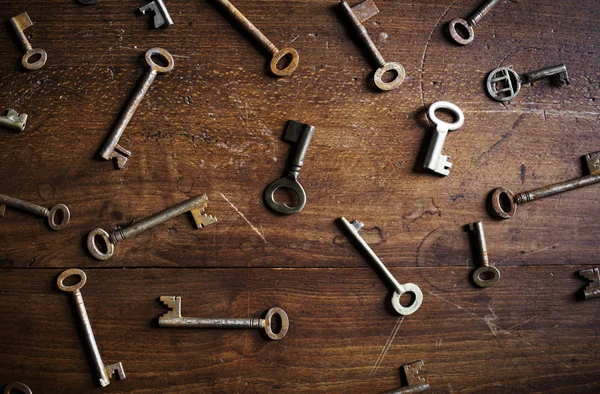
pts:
pixel 416 383
pixel 20 23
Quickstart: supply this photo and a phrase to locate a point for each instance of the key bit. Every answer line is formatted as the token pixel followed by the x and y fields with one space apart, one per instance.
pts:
pixel 174 307
pixel 416 383
pixel 159 10
pixel 592 290
pixel 13 120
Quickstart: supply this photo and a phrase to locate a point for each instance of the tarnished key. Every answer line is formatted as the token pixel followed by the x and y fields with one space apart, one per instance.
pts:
pixel 416 383
pixel 504 84
pixel 195 205
pixel 13 120
pixel 18 387
pixel 399 289
pixel 487 275
pixel 112 149
pixel 434 160
pixel 172 318
pixel 103 372
pixel 58 216
pixel 468 24
pixel 504 201
pixel 592 290
pixel 20 23
pixel 160 12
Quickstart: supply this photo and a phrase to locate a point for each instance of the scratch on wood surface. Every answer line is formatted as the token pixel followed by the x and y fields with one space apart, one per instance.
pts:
pixel 243 217
pixel 387 345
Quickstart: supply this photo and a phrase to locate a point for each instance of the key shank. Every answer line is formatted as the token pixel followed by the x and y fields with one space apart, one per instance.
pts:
pixel 196 322
pixel 481 11
pixel 362 35
pixel 23 205
pixel 556 188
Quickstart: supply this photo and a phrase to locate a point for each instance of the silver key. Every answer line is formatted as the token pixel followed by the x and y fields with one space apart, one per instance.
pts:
pixel 56 222
pixel 416 383
pixel 487 275
pixel 172 318
pixel 468 24
pixel 504 84
pixel 18 387
pixel 13 120
pixel 434 160
pixel 20 23
pixel 104 372
pixel 399 289
pixel 160 12
pixel 592 275
pixel 112 149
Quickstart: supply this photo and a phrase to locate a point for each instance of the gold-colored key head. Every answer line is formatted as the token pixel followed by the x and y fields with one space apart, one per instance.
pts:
pixel 68 273
pixel 503 203
pixel 163 55
pixel 486 276
pixel 34 58
pixel 285 323
pixel 398 75
pixel 283 55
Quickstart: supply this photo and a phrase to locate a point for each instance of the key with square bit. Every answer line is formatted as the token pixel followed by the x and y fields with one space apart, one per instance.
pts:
pixel 33 59
pixel 13 120
pixel 434 160
pixel 58 216
pixel 416 383
pixel 160 12
pixel 504 84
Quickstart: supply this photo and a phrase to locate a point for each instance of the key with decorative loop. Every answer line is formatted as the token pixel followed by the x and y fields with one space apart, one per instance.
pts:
pixel 160 12
pixel 487 275
pixel 58 216
pixel 301 134
pixel 17 387
pixel 504 201
pixel 195 206
pixel 592 290
pixel 434 160
pixel 173 318
pixel 416 383
pixel 13 120
pixel 399 289
pixel 468 24
pixel 112 149
pixel 504 84
pixel 103 371
pixel 20 23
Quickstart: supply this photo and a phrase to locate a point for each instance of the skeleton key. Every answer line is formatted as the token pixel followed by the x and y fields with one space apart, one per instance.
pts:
pixel 399 289
pixel 357 15
pixel 276 54
pixel 13 120
pixel 434 160
pixel 172 318
pixel 195 206
pixel 51 214
pixel 416 383
pixel 504 201
pixel 20 23
pixel 592 290
pixel 487 275
pixel 103 372
pixel 18 387
pixel 504 84
pixel 301 134
pixel 160 12
pixel 112 149
pixel 468 24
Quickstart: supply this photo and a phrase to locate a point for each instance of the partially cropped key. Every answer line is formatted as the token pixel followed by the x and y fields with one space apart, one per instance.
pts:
pixel 13 120
pixel 58 216
pixel 416 383
pixel 592 290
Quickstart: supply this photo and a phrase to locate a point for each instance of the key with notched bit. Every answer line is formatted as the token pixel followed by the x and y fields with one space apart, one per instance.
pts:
pixel 13 120
pixel 416 383
pixel 504 84
pixel 592 290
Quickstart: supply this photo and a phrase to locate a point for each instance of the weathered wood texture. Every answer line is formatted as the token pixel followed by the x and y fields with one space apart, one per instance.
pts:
pixel 214 124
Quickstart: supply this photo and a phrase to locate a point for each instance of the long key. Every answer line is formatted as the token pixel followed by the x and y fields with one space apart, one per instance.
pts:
pixel 58 216
pixel 112 149
pixel 399 289
pixel 173 318
pixel 487 275
pixel 195 205
pixel 434 160
pixel 276 54
pixel 13 120
pixel 504 201
pixel 301 134
pixel 468 24
pixel 356 16
pixel 103 372
pixel 504 84
pixel 20 23
pixel 416 383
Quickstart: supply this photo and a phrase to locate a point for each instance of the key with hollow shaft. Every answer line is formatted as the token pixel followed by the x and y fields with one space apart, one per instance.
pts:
pixel 173 318
pixel 112 149
pixel 20 23
pixel 103 371
pixel 13 120
pixel 356 16
pixel 434 160
pixel 195 205
pixel 468 24
pixel 504 84
pixel 416 383
pixel 487 275
pixel 276 54
pixel 399 289
pixel 504 201
pixel 58 216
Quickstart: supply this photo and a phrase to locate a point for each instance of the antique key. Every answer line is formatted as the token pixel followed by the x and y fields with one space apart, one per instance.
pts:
pixel 468 24
pixel 18 387
pixel 300 134
pixel 172 318
pixel 195 205
pixel 58 216
pixel 434 160
pixel 276 54
pixel 103 372
pixel 416 383
pixel 592 290
pixel 357 15
pixel 160 12
pixel 504 201
pixel 399 289
pixel 487 275
pixel 20 23
pixel 504 84
pixel 13 120
pixel 112 149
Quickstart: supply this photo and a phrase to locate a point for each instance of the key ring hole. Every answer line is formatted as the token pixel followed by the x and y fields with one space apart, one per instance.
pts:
pixel 461 32
pixel 68 276
pixel 17 387
pixel 503 203
pixel 389 76
pixel 448 109
pixel 287 196
pixel 284 62
pixel 407 299
pixel 58 217
pixel 486 276
pixel 101 250
pixel 160 60
pixel 34 59
pixel 278 318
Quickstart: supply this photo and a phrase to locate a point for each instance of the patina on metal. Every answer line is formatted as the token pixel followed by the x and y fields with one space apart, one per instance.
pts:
pixel 20 23
pixel 416 383
pixel 434 160
pixel 487 275
pixel 58 216
pixel 504 84
pixel 13 120
pixel 160 13
pixel 504 201
pixel 173 318
pixel 103 372
pixel 592 290
pixel 469 23
pixel 356 16
pixel 17 387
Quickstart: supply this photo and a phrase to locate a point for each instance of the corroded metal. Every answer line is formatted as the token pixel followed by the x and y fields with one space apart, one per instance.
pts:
pixel 13 120
pixel 20 23
pixel 160 13
pixel 434 160
pixel 416 383
pixel 592 290
pixel 58 216
pixel 504 84
pixel 469 23
pixel 487 275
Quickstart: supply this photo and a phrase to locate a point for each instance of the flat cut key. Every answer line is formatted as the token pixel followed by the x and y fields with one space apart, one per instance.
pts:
pixel 399 289
pixel 416 383
pixel 434 160
pixel 112 149
pixel 592 290
pixel 468 24
pixel 173 318
pixel 13 120
pixel 195 205
pixel 160 13
pixel 103 371
pixel 33 59
pixel 58 216
pixel 504 84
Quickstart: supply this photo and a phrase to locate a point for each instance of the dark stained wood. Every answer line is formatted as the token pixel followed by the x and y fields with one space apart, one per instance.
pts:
pixel 214 124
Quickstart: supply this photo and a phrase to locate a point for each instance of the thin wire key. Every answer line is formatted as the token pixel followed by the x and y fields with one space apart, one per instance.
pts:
pixel 58 216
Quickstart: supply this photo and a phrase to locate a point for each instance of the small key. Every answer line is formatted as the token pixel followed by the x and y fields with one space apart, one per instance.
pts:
pixel 399 289
pixel 172 318
pixel 416 383
pixel 13 120
pixel 434 160
pixel 160 12
pixel 487 275
pixel 112 149
pixel 504 201
pixel 103 372
pixel 300 134
pixel 468 24
pixel 276 55
pixel 18 387
pixel 356 16
pixel 504 84
pixel 195 206
pixel 20 23
pixel 56 222
pixel 592 290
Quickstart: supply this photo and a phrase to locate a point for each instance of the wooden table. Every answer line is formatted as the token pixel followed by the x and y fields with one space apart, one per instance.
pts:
pixel 214 125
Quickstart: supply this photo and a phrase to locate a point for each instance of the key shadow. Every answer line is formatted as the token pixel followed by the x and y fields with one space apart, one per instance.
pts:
pixel 473 247
pixel 420 117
